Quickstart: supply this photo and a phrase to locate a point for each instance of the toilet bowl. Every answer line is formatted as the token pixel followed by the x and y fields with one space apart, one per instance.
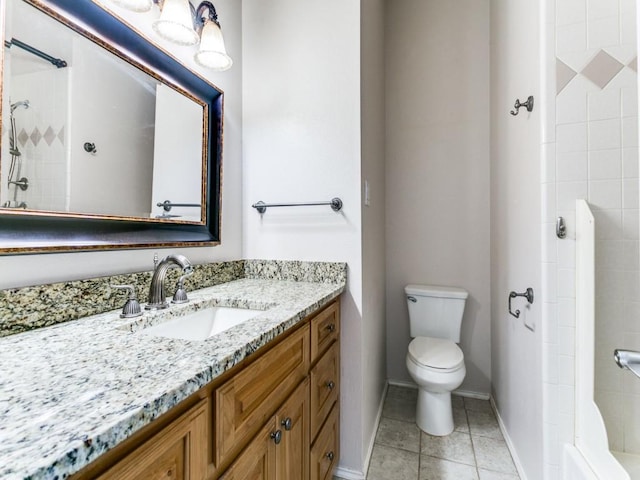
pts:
pixel 437 367
pixel 434 360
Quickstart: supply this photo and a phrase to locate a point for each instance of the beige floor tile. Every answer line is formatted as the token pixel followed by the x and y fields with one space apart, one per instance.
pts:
pixel 405 393
pixel 460 422
pixel 477 405
pixel 439 469
pixel 400 409
pixel 455 447
pixel 484 424
pixel 390 463
pixel 457 401
pixel 493 454
pixel 489 475
pixel 399 434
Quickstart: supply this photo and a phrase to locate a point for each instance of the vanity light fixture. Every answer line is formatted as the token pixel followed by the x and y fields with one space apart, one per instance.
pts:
pixel 183 24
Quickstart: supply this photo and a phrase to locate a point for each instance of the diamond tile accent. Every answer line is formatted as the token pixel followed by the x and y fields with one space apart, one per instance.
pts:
pixel 35 136
pixel 61 135
pixel 602 69
pixel 49 136
pixel 633 64
pixel 564 74
pixel 23 137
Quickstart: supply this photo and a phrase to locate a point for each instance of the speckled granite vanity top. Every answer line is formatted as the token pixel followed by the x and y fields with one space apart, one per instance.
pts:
pixel 70 392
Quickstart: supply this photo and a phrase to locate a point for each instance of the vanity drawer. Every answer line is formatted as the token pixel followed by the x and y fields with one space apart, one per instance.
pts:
pixel 243 404
pixel 325 329
pixel 325 451
pixel 172 454
pixel 325 383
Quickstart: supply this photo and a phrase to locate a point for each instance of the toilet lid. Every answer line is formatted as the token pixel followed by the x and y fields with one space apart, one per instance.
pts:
pixel 436 352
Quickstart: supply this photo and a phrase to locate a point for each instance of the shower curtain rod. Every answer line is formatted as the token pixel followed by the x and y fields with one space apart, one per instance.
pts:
pixel 58 62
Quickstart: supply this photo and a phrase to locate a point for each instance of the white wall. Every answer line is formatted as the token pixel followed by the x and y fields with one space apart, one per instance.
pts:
pixel 301 132
pixel 373 215
pixel 516 371
pixel 437 169
pixel 36 269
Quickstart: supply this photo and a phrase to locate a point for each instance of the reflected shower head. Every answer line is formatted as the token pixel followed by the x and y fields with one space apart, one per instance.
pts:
pixel 21 103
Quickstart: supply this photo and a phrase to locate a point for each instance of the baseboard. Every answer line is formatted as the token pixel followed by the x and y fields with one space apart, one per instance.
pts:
pixel 507 439
pixel 348 474
pixel 470 394
pixel 402 383
pixel 460 393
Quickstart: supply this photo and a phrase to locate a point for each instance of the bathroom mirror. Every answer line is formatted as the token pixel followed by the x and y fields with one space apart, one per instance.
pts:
pixel 107 141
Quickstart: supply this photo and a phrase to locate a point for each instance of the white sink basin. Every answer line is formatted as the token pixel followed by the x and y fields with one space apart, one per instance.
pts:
pixel 202 324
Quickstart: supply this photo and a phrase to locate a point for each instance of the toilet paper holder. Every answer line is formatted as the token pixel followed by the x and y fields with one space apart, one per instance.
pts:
pixel 528 295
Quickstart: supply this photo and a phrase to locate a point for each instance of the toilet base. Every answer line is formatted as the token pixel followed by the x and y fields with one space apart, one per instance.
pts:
pixel 434 414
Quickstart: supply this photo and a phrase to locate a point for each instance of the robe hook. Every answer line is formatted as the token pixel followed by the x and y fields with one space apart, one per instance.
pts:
pixel 528 104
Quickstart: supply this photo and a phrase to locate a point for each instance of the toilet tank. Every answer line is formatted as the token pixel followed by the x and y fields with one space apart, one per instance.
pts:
pixel 435 311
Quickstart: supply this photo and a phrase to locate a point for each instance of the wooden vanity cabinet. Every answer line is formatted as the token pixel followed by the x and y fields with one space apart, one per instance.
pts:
pixel 275 417
pixel 245 402
pixel 175 453
pixel 325 393
pixel 280 450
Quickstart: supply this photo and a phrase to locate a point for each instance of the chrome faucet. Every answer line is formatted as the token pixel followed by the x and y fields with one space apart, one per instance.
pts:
pixel 157 298
pixel 628 359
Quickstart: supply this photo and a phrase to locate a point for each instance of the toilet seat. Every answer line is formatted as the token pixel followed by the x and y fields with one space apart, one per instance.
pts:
pixel 436 354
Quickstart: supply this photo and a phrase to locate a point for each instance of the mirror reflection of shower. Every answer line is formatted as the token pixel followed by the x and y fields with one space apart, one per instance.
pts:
pixel 15 181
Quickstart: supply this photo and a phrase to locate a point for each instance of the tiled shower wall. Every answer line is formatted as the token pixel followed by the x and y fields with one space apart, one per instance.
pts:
pixel 42 138
pixel 591 152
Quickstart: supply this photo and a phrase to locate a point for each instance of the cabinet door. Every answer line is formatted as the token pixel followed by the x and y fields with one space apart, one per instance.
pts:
pixel 325 387
pixel 326 449
pixel 246 401
pixel 292 454
pixel 176 453
pixel 258 460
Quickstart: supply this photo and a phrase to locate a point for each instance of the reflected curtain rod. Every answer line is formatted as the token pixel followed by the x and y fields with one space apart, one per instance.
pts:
pixel 58 62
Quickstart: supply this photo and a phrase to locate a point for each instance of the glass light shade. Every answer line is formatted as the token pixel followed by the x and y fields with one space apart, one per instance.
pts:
pixel 176 23
pixel 135 5
pixel 212 53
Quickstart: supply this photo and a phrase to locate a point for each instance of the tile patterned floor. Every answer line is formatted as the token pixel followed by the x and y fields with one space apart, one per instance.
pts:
pixel 475 450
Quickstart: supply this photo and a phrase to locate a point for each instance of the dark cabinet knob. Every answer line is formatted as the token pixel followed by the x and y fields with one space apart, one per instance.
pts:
pixel 330 456
pixel 330 385
pixel 276 436
pixel 286 423
pixel 331 327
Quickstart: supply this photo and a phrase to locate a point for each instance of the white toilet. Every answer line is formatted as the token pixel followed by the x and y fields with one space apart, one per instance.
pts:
pixel 434 361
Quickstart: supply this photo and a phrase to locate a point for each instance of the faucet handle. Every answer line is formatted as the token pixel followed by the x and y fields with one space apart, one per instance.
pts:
pixel 132 307
pixel 181 293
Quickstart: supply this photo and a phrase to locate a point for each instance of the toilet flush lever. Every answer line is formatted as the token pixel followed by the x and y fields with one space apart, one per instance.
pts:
pixel 528 295
pixel 412 299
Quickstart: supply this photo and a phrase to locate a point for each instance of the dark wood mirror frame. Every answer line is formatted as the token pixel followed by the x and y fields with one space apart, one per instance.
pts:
pixel 27 232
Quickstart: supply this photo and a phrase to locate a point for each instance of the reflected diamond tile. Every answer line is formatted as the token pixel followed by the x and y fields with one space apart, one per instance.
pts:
pixel 23 137
pixel 633 64
pixel 61 135
pixel 49 136
pixel 35 136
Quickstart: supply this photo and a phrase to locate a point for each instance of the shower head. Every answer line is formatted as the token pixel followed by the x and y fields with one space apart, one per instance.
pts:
pixel 21 103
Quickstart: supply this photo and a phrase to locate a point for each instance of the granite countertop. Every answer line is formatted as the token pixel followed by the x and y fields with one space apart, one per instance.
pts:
pixel 71 392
